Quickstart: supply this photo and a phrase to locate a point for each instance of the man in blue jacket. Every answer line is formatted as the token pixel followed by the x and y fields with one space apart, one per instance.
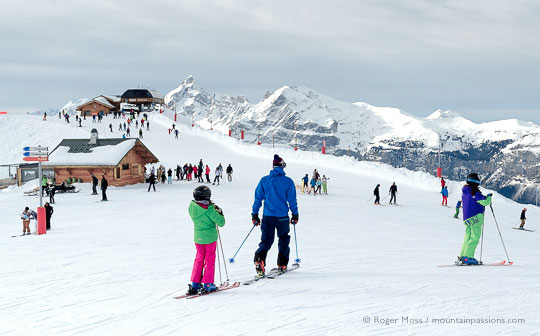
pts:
pixel 279 195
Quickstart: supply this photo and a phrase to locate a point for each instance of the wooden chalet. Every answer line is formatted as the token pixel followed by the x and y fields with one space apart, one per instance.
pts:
pixel 100 104
pixel 121 160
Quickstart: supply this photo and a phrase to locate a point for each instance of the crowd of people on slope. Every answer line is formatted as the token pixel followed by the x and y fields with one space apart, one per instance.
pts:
pixel 317 184
pixel 188 172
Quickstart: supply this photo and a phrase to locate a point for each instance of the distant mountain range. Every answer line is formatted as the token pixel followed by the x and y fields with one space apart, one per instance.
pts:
pixel 505 153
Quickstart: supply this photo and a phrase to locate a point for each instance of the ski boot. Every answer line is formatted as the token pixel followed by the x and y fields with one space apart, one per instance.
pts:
pixel 521 228
pixel 459 261
pixel 259 267
pixel 193 288
pixel 469 261
pixel 282 269
pixel 210 287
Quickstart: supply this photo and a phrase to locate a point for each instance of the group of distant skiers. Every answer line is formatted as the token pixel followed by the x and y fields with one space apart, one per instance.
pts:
pixel 315 184
pixel 392 192
pixel 187 173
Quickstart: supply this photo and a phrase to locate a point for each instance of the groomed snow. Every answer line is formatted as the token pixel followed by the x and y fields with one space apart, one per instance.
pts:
pixel 112 268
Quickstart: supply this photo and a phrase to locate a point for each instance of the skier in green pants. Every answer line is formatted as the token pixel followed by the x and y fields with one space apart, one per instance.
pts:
pixel 474 204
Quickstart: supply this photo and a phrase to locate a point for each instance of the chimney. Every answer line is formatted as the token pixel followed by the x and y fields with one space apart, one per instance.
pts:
pixel 93 136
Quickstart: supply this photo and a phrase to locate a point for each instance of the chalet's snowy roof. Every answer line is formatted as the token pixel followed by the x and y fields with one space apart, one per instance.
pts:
pixel 101 100
pixel 107 152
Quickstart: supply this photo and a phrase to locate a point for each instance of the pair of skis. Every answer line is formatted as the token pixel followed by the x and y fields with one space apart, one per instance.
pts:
pixel 498 263
pixel 222 287
pixel 272 274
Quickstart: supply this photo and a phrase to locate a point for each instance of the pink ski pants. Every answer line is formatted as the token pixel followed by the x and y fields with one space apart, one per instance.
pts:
pixel 204 265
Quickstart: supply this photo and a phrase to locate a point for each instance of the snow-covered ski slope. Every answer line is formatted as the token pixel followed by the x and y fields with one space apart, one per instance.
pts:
pixel 112 268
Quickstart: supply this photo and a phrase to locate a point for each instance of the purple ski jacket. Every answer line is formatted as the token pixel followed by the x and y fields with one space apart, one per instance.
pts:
pixel 473 205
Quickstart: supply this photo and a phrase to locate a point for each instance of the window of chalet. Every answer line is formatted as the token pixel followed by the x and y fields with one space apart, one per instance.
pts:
pixel 125 166
pixel 117 170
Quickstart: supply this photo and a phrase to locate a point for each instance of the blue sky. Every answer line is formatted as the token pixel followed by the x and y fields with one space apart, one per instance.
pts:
pixel 479 58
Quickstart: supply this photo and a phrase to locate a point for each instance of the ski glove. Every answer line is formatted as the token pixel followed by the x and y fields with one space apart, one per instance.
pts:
pixel 294 219
pixel 255 219
pixel 218 209
pixel 489 195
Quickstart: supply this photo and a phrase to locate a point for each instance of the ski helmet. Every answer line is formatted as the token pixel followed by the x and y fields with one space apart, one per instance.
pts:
pixel 473 178
pixel 202 193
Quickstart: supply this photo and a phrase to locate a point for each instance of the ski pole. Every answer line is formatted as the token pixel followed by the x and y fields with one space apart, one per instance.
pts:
pixel 231 260
pixel 223 255
pixel 219 263
pixel 481 243
pixel 370 199
pixel 493 212
pixel 385 197
pixel 296 245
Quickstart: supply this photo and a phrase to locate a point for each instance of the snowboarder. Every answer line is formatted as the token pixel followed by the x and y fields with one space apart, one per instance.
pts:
pixel 44 184
pixel 313 184
pixel 195 171
pixel 376 194
pixel 474 204
pixel 324 180
pixel 279 195
pixel 207 173
pixel 206 217
pixel 26 216
pixel 169 176
pixel 393 192
pixel 219 172
pixel 152 181
pixel 52 191
pixel 444 193
pixel 305 181
pixel 229 172
pixel 458 205
pixel 95 182
pixel 163 177
pixel 104 185
pixel 48 213
pixel 522 218
pixel 199 171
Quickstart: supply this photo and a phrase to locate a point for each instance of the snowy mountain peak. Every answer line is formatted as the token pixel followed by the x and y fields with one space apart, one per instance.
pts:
pixel 440 114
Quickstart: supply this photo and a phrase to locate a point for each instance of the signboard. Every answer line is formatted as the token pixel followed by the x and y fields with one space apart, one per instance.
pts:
pixel 39 158
pixel 27 149
pixel 35 153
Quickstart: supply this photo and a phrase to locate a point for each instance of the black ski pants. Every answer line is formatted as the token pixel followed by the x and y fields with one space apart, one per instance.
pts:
pixel 269 226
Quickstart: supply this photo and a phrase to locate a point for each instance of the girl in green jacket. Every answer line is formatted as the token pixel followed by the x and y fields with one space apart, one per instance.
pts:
pixel 206 218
